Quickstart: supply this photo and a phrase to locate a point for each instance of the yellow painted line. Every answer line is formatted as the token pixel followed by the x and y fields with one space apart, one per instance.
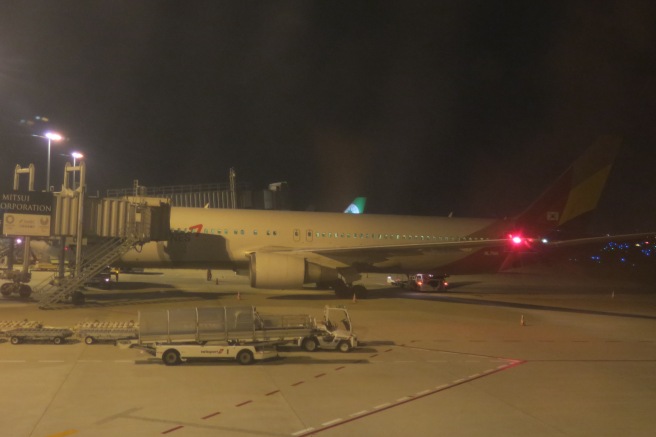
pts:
pixel 64 433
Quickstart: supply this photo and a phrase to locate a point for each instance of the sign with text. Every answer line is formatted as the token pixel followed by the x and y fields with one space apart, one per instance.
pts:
pixel 25 214
pixel 26 225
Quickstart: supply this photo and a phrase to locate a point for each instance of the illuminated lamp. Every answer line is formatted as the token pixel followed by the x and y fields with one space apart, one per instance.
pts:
pixel 516 239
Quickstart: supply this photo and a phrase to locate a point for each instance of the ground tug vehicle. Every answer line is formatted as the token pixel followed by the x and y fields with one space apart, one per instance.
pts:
pixel 334 332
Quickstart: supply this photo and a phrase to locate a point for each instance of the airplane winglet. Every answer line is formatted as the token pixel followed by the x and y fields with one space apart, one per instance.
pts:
pixel 357 206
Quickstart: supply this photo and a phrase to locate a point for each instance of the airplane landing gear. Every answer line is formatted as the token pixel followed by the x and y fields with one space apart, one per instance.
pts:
pixel 343 290
pixel 17 285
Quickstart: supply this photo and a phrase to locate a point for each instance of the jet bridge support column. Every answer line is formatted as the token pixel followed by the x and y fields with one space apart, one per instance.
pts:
pixel 19 279
pixel 26 242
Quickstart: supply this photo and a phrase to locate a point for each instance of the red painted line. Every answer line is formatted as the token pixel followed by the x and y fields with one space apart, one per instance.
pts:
pixel 372 356
pixel 297 383
pixel 172 429
pixel 243 403
pixel 272 392
pixel 388 350
pixel 319 375
pixel 211 415
pixel 412 398
pixel 340 368
pixel 414 341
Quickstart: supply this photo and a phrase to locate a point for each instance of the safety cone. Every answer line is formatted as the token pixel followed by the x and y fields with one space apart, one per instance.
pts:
pixel 521 321
pixel 355 300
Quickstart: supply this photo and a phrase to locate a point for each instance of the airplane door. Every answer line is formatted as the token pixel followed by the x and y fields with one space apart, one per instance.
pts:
pixel 297 235
pixel 308 235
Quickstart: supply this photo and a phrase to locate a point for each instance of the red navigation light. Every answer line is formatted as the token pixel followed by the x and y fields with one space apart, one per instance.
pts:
pixel 516 239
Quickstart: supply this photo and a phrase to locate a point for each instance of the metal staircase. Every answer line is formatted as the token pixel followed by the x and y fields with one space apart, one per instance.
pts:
pixel 53 290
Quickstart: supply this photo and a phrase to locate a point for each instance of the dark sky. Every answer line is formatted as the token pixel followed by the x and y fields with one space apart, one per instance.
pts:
pixel 424 107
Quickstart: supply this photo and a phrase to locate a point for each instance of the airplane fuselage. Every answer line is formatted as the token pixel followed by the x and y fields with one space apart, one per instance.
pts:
pixel 223 238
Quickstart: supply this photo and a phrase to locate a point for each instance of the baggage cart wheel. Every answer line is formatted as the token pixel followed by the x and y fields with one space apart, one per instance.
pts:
pixel 15 340
pixel 89 339
pixel 171 357
pixel 245 357
pixel 58 340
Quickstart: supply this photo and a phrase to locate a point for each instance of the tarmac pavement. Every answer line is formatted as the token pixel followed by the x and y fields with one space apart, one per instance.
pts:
pixel 458 363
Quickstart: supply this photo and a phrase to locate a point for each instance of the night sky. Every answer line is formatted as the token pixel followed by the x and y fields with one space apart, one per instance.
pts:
pixel 470 107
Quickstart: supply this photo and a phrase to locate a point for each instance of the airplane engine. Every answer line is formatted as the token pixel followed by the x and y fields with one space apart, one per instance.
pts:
pixel 273 270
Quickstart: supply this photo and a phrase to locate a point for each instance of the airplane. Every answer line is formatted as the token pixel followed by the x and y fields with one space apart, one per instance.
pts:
pixel 287 249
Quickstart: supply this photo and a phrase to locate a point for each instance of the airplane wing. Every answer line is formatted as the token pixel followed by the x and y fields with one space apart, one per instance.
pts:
pixel 336 257
pixel 598 239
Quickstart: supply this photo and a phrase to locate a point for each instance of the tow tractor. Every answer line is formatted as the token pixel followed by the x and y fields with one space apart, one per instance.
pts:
pixel 421 282
pixel 334 332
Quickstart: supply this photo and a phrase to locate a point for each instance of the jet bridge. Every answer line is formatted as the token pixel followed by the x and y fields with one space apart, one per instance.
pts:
pixel 105 228
pixel 108 229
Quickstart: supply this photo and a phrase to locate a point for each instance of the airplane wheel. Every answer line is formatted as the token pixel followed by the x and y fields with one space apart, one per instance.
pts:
pixel 24 291
pixel 78 298
pixel 341 289
pixel 5 289
pixel 15 340
pixel 360 291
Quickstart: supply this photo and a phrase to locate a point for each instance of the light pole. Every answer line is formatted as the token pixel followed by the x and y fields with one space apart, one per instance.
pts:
pixel 51 136
pixel 76 156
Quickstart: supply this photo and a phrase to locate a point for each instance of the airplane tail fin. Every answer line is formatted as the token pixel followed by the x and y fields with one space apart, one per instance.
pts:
pixel 357 206
pixel 568 204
